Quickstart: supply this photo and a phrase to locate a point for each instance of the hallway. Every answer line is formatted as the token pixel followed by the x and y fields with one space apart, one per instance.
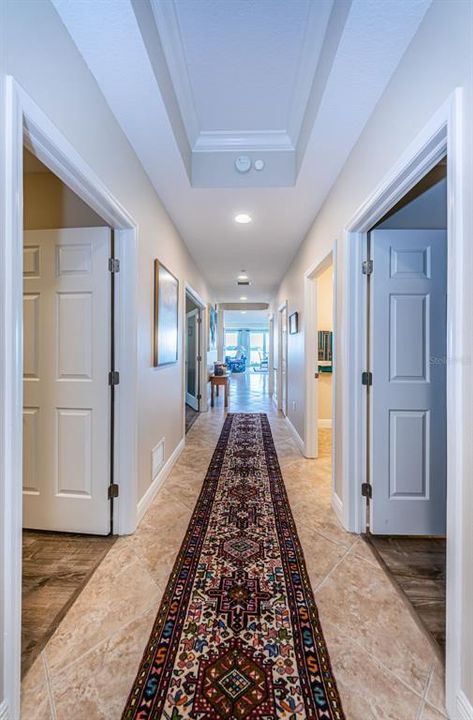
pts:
pixel 384 664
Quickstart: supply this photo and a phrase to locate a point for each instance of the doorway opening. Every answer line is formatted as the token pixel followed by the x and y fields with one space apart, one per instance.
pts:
pixel 193 352
pixel 406 475
pixel 246 356
pixel 68 403
pixel 282 358
pixel 325 359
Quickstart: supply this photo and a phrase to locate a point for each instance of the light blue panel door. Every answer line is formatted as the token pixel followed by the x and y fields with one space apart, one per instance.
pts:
pixel 409 453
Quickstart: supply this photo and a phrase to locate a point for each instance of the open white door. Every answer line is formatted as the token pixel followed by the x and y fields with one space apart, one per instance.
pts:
pixel 409 454
pixel 66 426
pixel 192 359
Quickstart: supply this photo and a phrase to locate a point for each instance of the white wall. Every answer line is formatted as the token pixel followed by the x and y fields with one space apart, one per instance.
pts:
pixel 48 203
pixel 3 354
pixel 438 60
pixel 45 62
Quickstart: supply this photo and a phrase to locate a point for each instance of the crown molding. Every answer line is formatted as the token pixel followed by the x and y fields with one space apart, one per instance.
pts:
pixel 228 140
pixel 169 32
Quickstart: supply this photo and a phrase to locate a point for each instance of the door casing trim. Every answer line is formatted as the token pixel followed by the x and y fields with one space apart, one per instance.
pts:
pixel 199 301
pixel 443 135
pixel 26 123
pixel 281 307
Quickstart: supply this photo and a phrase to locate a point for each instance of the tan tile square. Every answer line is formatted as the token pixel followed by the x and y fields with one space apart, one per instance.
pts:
pixel 121 589
pixel 361 601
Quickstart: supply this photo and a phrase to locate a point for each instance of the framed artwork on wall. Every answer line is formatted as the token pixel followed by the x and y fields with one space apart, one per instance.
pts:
pixel 212 344
pixel 166 301
pixel 294 323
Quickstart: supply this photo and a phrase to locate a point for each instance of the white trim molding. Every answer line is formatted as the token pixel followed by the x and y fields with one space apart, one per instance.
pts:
pixel 145 502
pixel 337 507
pixel 4 714
pixel 464 707
pixel 442 136
pixel 296 436
pixel 26 123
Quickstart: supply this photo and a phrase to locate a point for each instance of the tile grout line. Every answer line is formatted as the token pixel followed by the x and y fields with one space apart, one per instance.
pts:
pixel 426 690
pixel 385 669
pixel 122 627
pixel 52 703
pixel 330 573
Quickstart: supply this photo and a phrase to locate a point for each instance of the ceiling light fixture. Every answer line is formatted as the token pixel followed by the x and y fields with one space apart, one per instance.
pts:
pixel 243 312
pixel 243 297
pixel 243 218
pixel 243 276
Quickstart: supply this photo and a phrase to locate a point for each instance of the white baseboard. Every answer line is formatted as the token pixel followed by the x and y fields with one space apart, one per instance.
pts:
pixel 4 714
pixel 325 422
pixel 337 507
pixel 297 437
pixel 274 400
pixel 148 497
pixel 464 707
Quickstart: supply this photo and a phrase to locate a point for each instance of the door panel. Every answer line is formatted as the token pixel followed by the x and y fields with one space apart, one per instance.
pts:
pixel 409 382
pixel 66 437
pixel 192 361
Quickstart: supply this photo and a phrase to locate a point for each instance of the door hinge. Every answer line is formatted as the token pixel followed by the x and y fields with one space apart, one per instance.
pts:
pixel 199 397
pixel 367 267
pixel 366 378
pixel 113 491
pixel 199 320
pixel 367 490
pixel 113 265
pixel 114 377
pixel 199 358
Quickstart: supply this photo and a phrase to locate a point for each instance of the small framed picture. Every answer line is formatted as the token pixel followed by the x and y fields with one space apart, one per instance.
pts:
pixel 294 323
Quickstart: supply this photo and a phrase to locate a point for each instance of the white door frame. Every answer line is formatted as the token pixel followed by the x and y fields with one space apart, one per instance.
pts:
pixel 26 123
pixel 282 306
pixel 204 375
pixel 443 135
pixel 310 326
pixel 271 355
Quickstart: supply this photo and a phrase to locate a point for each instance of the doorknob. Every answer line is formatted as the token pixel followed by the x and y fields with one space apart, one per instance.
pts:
pixel 316 375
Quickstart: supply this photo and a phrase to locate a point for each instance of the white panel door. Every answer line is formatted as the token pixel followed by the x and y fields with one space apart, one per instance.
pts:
pixel 66 416
pixel 409 452
pixel 192 359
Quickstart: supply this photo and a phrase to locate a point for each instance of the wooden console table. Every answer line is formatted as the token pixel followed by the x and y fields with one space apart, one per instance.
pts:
pixel 215 382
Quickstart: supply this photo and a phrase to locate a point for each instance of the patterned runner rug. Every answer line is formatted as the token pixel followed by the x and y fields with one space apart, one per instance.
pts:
pixel 237 635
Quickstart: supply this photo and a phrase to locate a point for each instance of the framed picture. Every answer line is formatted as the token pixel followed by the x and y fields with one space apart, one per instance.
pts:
pixel 294 323
pixel 166 299
pixel 212 344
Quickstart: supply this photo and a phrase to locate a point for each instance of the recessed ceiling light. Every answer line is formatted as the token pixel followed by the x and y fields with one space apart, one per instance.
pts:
pixel 243 276
pixel 243 218
pixel 243 297
pixel 243 312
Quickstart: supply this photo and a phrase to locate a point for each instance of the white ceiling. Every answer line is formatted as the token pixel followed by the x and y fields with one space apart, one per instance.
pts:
pixel 149 78
pixel 247 319
pixel 242 68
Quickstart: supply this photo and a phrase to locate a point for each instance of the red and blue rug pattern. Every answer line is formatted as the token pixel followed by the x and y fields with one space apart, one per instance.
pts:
pixel 237 635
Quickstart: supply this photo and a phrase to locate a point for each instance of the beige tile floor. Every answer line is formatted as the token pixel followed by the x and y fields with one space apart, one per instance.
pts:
pixel 385 666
